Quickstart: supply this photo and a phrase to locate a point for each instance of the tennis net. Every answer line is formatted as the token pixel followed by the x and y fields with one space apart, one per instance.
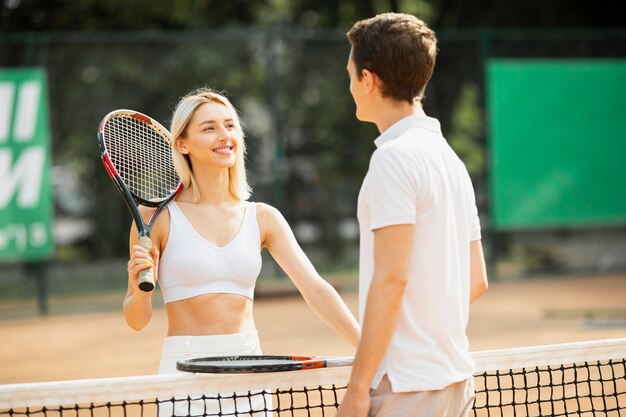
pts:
pixel 573 379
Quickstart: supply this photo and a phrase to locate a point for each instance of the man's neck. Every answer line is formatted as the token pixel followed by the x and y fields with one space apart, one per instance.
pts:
pixel 388 112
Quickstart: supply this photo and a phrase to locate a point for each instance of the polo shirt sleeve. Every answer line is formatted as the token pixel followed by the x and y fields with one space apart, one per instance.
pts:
pixel 392 189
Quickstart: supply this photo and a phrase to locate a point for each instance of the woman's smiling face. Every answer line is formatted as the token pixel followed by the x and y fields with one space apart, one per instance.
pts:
pixel 212 136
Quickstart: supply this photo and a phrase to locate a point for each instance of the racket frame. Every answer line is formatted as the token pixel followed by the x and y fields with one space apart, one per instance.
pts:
pixel 133 201
pixel 294 363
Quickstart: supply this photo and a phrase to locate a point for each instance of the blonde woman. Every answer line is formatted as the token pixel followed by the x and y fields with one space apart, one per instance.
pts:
pixel 207 245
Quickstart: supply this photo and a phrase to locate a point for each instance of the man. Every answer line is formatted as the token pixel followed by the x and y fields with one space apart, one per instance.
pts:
pixel 421 259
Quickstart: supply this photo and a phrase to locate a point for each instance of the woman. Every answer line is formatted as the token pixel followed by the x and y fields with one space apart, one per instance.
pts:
pixel 207 245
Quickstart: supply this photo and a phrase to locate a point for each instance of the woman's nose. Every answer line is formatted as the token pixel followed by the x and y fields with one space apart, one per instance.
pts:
pixel 224 134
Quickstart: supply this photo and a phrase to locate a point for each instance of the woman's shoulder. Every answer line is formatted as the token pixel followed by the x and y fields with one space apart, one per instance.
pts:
pixel 268 216
pixel 266 210
pixel 271 222
pixel 146 212
pixel 162 220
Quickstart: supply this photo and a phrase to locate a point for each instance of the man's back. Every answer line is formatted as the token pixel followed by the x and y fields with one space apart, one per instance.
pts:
pixel 418 269
pixel 416 178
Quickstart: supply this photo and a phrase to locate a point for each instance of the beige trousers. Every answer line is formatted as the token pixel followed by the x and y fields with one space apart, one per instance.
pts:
pixel 456 400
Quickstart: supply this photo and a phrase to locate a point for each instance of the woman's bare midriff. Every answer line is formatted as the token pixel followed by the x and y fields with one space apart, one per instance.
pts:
pixel 210 314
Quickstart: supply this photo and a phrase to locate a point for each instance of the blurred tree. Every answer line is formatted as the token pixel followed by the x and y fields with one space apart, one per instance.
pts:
pixel 526 14
pixel 137 74
pixel 285 71
pixel 64 15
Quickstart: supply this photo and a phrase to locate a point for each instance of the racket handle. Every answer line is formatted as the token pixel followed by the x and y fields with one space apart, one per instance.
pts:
pixel 146 276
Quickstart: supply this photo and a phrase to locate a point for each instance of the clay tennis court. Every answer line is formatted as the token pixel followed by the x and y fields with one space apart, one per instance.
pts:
pixel 511 314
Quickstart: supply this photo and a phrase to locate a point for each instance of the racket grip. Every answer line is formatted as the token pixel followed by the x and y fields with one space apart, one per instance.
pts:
pixel 146 276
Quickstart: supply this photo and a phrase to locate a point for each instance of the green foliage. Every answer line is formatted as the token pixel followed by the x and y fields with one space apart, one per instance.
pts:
pixel 92 15
pixel 109 15
pixel 467 129
pixel 283 64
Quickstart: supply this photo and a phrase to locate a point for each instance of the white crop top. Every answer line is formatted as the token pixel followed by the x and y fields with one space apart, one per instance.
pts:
pixel 192 266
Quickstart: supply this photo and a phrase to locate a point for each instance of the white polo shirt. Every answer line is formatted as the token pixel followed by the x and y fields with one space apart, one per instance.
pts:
pixel 415 178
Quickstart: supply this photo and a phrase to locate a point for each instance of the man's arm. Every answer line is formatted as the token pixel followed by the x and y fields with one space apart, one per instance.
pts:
pixel 392 246
pixel 478 271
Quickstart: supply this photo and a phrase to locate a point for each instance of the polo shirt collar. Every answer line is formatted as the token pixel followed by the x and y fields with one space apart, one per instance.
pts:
pixel 402 125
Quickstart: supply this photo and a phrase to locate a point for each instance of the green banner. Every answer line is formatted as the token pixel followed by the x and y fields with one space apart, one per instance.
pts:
pixel 557 143
pixel 25 191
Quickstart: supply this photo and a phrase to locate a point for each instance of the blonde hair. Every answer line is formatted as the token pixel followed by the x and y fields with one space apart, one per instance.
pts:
pixel 186 107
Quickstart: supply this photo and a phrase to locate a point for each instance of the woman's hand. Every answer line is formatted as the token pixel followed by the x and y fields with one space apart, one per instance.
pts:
pixel 141 259
pixel 138 303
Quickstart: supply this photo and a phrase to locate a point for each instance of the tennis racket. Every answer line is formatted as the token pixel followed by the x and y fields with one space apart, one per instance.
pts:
pixel 260 363
pixel 136 153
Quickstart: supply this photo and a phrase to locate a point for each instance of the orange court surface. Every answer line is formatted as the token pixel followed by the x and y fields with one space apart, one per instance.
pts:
pixel 512 314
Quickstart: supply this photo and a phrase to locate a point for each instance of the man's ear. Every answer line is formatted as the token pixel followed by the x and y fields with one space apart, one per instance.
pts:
pixel 371 80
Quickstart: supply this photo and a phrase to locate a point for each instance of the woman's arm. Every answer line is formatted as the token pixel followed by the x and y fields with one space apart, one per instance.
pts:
pixel 320 296
pixel 137 303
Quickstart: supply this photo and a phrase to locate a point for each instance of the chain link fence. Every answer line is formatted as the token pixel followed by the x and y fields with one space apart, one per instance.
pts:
pixel 307 154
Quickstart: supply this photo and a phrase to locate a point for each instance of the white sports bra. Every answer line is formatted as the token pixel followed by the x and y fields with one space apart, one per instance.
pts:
pixel 192 266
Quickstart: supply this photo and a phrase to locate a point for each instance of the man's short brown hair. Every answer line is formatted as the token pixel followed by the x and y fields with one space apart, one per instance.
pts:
pixel 400 49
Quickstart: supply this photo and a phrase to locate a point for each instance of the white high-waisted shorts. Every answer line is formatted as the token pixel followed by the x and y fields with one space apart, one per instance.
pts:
pixel 176 348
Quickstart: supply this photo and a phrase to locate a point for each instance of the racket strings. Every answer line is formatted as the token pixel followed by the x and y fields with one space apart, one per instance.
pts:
pixel 142 156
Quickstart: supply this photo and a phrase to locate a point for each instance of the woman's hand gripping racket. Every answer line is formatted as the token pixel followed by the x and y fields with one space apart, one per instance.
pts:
pixel 260 363
pixel 136 153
